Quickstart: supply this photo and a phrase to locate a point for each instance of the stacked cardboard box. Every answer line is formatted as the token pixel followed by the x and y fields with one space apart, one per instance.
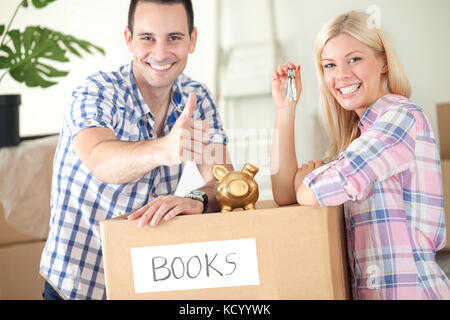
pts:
pixel 24 229
pixel 19 264
pixel 269 253
pixel 443 118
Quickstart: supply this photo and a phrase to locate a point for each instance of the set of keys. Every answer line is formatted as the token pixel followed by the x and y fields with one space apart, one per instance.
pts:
pixel 290 91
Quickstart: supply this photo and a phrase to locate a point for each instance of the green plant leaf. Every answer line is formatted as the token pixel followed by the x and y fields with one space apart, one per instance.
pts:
pixel 2 29
pixel 41 3
pixel 27 57
pixel 4 63
pixel 15 37
pixel 69 41
pixel 31 78
pixel 28 38
pixel 50 71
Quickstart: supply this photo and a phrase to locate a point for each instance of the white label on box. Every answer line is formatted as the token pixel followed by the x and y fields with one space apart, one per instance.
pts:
pixel 200 265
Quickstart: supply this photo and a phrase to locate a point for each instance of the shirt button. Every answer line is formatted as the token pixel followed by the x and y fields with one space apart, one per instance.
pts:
pixel 154 195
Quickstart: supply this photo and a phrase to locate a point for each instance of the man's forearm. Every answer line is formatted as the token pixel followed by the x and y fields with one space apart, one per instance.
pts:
pixel 119 162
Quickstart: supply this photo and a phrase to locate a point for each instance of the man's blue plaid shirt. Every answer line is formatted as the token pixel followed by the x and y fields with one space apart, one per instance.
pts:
pixel 72 257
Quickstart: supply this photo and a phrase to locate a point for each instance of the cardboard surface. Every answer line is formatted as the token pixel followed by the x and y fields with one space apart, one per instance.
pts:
pixel 443 119
pixel 301 252
pixel 9 234
pixel 446 185
pixel 26 173
pixel 19 276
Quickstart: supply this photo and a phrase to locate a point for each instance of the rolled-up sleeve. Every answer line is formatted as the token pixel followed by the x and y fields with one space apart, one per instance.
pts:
pixel 386 149
pixel 91 107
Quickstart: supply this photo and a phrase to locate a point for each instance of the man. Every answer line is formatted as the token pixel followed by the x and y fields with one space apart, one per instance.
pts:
pixel 123 144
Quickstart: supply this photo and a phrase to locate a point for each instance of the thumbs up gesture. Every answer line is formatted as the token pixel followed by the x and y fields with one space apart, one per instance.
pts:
pixel 190 107
pixel 188 137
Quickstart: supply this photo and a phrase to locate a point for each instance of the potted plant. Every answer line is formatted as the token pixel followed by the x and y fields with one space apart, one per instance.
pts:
pixel 25 56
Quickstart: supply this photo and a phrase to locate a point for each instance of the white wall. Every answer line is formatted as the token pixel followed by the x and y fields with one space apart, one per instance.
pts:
pixel 420 30
pixel 101 22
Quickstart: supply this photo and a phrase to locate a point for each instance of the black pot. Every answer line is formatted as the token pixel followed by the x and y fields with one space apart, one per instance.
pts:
pixel 9 120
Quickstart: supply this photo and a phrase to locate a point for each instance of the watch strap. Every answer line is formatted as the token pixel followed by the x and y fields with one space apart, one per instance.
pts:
pixel 200 196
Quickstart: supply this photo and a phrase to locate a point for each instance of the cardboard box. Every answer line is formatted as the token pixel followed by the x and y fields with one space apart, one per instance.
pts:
pixel 446 185
pixel 26 174
pixel 8 234
pixel 269 253
pixel 19 276
pixel 443 118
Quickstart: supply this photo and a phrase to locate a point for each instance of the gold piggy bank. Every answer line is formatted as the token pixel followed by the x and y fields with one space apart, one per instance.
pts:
pixel 236 189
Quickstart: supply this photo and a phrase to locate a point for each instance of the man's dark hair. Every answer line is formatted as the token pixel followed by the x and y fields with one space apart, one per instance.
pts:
pixel 186 3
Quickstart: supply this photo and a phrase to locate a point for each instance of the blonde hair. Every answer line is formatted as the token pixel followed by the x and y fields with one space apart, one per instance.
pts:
pixel 342 125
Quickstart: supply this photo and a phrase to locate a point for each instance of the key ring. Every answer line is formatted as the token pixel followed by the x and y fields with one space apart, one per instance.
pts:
pixel 290 92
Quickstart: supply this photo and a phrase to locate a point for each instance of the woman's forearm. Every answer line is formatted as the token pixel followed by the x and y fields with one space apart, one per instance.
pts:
pixel 283 159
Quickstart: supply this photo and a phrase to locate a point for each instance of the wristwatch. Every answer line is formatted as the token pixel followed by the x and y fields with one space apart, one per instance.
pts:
pixel 200 196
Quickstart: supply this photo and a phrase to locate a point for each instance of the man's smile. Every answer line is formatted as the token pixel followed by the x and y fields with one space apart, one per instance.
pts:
pixel 160 67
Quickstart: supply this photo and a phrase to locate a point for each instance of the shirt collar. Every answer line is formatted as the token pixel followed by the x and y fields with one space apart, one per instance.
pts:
pixel 376 109
pixel 140 108
pixel 178 98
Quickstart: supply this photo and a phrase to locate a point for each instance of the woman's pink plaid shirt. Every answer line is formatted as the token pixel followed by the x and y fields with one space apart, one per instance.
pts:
pixel 389 180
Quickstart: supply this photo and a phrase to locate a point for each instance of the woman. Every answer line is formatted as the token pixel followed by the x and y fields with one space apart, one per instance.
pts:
pixel 382 163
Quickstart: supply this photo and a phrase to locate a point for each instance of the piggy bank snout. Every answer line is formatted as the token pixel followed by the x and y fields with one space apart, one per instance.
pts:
pixel 238 188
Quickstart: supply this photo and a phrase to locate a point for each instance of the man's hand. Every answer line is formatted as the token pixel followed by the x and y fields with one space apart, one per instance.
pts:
pixel 188 137
pixel 165 207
